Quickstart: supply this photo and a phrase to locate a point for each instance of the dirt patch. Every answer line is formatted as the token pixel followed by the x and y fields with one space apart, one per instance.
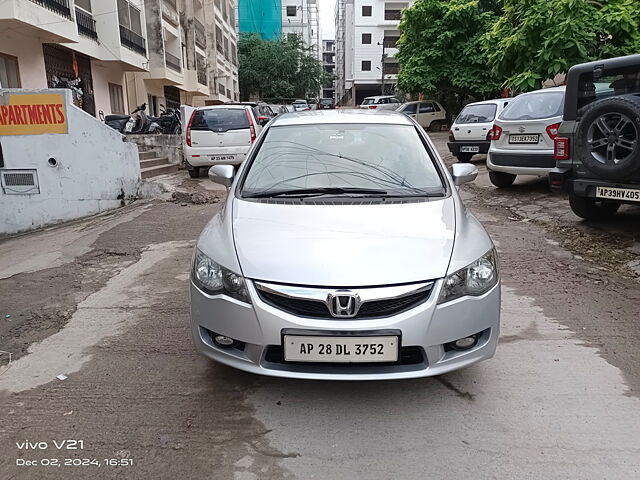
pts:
pixel 197 198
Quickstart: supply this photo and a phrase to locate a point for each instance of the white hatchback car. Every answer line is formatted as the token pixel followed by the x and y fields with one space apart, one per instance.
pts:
pixel 386 102
pixel 470 132
pixel 220 135
pixel 522 136
pixel 428 113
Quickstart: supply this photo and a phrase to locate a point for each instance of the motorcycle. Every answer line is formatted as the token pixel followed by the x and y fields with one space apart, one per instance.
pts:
pixel 170 121
pixel 130 124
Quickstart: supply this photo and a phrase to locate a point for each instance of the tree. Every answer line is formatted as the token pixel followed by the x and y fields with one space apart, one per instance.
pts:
pixel 440 48
pixel 535 40
pixel 278 69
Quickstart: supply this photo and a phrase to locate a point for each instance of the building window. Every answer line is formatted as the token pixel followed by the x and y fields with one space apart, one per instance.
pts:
pixel 366 39
pixel 84 4
pixel 366 65
pixel 116 98
pixel 9 76
pixel 221 89
pixel 291 10
pixel 129 17
pixel 366 10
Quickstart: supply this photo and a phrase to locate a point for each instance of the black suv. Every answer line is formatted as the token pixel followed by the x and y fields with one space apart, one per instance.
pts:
pixel 597 150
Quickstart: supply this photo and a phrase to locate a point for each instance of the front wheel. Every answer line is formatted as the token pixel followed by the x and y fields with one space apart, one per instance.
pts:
pixel 501 179
pixel 194 172
pixel 591 208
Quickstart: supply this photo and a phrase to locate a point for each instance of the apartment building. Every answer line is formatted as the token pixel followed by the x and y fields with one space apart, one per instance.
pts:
pixel 116 54
pixel 273 19
pixel 329 65
pixel 366 36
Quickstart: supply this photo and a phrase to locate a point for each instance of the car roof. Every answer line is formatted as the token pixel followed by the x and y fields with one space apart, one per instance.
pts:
pixel 545 90
pixel 493 100
pixel 380 96
pixel 350 116
pixel 226 105
pixel 420 101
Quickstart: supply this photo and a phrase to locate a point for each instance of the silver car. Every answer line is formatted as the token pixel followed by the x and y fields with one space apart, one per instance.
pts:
pixel 344 252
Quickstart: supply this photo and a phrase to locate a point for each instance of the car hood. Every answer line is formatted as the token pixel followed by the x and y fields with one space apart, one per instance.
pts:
pixel 344 245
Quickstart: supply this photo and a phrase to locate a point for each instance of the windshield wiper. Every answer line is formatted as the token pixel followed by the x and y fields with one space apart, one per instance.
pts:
pixel 318 191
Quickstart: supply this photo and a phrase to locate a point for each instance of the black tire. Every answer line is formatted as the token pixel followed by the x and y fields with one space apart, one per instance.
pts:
pixel 608 137
pixel 194 172
pixel 464 157
pixel 591 208
pixel 435 126
pixel 501 179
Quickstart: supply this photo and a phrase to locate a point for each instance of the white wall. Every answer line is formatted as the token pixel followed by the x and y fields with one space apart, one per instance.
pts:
pixel 103 74
pixel 96 171
pixel 28 49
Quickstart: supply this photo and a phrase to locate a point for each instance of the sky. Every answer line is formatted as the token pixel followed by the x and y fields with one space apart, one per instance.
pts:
pixel 327 21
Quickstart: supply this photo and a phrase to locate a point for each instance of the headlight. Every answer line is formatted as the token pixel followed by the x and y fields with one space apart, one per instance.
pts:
pixel 474 279
pixel 214 279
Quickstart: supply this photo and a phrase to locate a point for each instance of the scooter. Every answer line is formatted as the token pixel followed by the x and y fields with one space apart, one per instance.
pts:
pixel 128 124
pixel 169 120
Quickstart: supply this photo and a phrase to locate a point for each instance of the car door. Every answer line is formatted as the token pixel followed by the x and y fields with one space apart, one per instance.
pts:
pixel 426 114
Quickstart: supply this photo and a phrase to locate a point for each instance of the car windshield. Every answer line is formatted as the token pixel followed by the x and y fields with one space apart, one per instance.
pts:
pixel 220 119
pixel 613 82
pixel 391 158
pixel 534 106
pixel 482 113
pixel 368 101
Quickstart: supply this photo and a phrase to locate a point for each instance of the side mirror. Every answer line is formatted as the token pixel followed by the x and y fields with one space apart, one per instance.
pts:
pixel 222 174
pixel 463 173
pixel 101 115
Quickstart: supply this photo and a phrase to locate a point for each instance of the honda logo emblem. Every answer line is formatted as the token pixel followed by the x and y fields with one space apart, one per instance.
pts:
pixel 343 304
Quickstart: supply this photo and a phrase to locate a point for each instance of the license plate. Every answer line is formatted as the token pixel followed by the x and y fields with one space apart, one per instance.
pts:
pixel 524 138
pixel 223 158
pixel 470 149
pixel 627 194
pixel 339 349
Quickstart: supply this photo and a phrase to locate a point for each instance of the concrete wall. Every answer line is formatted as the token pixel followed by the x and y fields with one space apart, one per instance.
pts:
pixel 169 146
pixel 28 50
pixel 95 171
pixel 103 74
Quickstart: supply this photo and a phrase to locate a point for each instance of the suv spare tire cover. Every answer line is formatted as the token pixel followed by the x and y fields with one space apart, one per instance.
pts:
pixel 627 105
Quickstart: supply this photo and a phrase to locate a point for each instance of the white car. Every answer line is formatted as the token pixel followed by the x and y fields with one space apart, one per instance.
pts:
pixel 522 136
pixel 221 135
pixel 470 132
pixel 386 102
pixel 428 113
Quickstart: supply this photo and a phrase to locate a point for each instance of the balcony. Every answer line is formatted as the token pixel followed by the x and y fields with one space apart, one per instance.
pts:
pixel 61 7
pixel 393 14
pixel 132 41
pixel 390 42
pixel 172 62
pixel 86 24
pixel 201 39
pixel 391 68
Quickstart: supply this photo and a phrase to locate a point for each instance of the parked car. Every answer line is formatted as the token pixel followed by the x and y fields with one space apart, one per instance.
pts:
pixel 383 296
pixel 278 109
pixel 470 133
pixel 428 113
pixel 300 106
pixel 386 102
pixel 325 103
pixel 598 144
pixel 221 135
pixel 522 136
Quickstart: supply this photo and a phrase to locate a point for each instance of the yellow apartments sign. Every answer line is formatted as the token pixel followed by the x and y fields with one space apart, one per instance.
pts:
pixel 33 114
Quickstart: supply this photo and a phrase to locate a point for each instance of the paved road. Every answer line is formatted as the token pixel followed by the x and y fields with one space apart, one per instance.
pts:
pixel 104 302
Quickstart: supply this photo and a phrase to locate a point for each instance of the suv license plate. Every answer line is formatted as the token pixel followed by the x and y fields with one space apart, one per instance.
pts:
pixel 339 349
pixel 223 158
pixel 470 149
pixel 532 138
pixel 627 194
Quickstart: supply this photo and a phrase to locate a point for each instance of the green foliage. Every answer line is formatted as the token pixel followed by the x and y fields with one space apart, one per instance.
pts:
pixel 535 40
pixel 277 69
pixel 440 48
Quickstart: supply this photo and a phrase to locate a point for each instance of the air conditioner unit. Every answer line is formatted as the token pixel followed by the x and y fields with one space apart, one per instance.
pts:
pixel 19 182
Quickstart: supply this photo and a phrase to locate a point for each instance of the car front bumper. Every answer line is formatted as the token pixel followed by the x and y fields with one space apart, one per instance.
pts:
pixel 424 330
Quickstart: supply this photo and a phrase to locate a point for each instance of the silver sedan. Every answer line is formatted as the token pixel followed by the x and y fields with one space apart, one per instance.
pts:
pixel 344 252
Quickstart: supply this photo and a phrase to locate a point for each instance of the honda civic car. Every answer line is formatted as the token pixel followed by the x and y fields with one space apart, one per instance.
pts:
pixel 344 252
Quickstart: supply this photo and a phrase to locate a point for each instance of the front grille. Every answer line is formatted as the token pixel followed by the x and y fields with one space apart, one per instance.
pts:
pixel 408 356
pixel 371 309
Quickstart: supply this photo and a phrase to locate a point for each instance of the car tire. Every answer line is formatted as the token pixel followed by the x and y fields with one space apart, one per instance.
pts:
pixel 435 126
pixel 464 157
pixel 591 208
pixel 501 179
pixel 617 155
pixel 194 172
